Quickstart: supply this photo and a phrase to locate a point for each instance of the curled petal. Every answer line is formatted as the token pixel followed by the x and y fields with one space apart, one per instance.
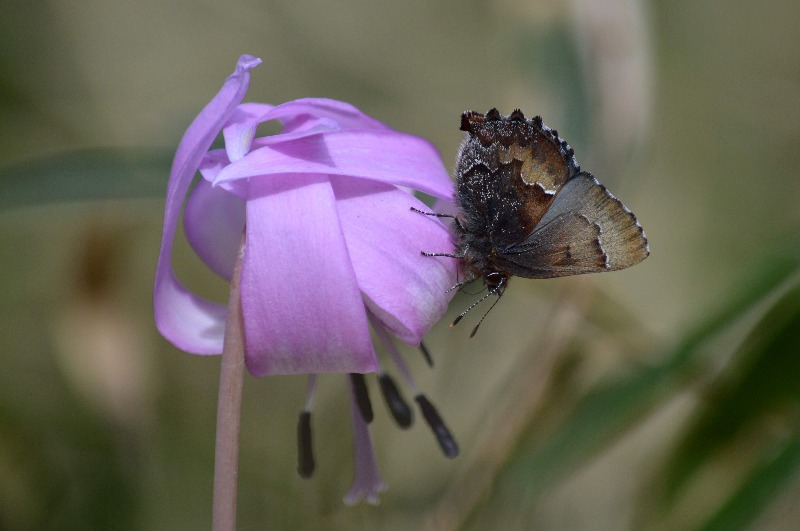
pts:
pixel 406 291
pixel 302 308
pixel 241 128
pixel 310 127
pixel 189 322
pixel 295 114
pixel 214 223
pixel 367 482
pixel 380 155
pixel 299 118
pixel 212 164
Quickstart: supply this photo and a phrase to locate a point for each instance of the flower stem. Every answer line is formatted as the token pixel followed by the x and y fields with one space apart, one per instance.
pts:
pixel 226 459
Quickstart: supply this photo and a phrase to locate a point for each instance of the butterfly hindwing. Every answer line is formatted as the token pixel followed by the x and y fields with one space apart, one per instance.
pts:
pixel 585 230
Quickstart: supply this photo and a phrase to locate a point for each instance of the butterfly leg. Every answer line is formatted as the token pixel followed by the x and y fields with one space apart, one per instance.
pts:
pixel 437 215
pixel 434 214
pixel 447 255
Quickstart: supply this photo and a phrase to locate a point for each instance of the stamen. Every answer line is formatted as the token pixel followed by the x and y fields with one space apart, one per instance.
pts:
pixel 398 407
pixel 305 441
pixel 446 441
pixel 362 396
pixel 305 447
pixel 426 353
pixel 397 358
pixel 311 391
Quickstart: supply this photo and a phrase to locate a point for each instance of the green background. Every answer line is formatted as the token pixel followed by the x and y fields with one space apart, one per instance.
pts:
pixel 663 397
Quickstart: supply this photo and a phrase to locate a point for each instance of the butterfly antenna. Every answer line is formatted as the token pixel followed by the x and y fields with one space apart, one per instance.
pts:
pixel 496 290
pixel 475 330
pixel 465 312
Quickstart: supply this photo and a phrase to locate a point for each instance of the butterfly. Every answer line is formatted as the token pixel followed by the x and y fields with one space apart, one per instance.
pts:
pixel 526 209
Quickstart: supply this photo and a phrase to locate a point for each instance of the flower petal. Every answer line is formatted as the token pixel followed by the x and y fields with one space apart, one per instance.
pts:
pixel 302 308
pixel 380 155
pixel 214 223
pixel 299 118
pixel 241 128
pixel 189 322
pixel 406 291
pixel 293 114
pixel 212 164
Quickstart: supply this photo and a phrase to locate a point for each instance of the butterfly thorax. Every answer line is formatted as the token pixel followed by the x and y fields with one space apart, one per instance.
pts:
pixel 479 264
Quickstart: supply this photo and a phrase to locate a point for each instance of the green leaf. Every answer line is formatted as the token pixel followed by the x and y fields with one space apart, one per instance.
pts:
pixel 758 490
pixel 87 175
pixel 760 382
pixel 608 412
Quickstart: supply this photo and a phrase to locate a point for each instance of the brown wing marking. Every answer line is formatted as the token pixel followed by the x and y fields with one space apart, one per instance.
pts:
pixel 586 230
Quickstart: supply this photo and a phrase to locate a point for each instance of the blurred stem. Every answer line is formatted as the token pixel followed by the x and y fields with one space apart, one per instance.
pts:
pixel 521 396
pixel 226 460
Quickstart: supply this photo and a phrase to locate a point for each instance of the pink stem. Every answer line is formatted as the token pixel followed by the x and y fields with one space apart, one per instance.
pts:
pixel 226 459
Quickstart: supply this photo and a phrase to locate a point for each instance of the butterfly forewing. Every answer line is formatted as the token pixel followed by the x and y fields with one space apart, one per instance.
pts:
pixel 509 171
pixel 585 230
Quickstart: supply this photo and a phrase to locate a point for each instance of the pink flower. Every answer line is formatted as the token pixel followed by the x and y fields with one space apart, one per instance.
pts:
pixel 331 247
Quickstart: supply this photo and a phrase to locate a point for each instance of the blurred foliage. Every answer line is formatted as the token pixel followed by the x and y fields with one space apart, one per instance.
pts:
pixel 758 387
pixel 663 397
pixel 65 470
pixel 85 175
pixel 757 400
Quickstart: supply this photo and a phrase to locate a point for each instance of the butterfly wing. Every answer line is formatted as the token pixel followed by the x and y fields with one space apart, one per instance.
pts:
pixel 585 230
pixel 509 171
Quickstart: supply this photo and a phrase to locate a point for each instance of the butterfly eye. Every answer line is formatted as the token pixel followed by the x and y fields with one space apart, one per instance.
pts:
pixel 493 279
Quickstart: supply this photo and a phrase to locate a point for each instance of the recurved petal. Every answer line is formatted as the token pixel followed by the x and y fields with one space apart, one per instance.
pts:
pixel 212 163
pixel 302 308
pixel 294 114
pixel 405 290
pixel 214 223
pixel 380 155
pixel 300 118
pixel 189 322
pixel 240 130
